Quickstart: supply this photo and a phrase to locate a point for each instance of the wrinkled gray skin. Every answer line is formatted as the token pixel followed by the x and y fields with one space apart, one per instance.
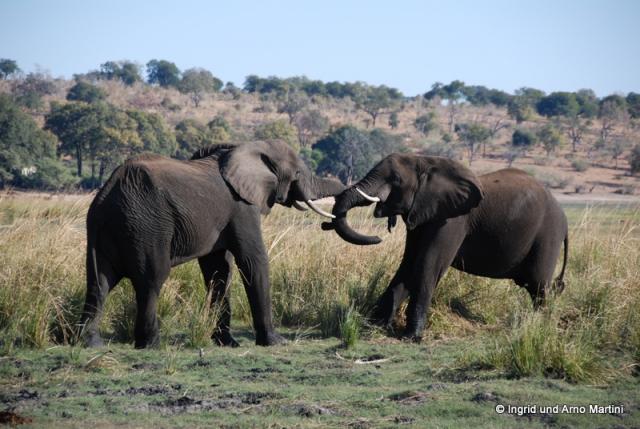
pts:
pixel 499 225
pixel 155 213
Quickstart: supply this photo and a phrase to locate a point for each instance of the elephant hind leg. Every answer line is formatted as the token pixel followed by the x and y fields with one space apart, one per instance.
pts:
pixel 536 274
pixel 101 278
pixel 147 288
pixel 216 270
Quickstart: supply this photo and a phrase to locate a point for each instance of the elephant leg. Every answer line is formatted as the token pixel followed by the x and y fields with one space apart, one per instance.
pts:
pixel 253 263
pixel 536 274
pixel 147 287
pixel 216 270
pixel 100 281
pixel 431 264
pixel 397 291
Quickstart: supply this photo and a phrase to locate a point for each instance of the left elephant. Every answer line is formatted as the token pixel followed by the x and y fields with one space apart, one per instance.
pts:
pixel 155 213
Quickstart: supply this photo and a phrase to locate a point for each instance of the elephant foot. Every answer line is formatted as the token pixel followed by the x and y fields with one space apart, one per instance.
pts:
pixel 93 341
pixel 270 339
pixel 224 339
pixel 412 334
pixel 144 343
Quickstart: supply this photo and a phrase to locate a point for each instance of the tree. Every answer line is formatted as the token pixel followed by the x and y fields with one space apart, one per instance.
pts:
pixel 292 103
pixel 613 110
pixel 519 110
pixel 30 90
pixel 163 73
pixel 550 137
pixel 7 68
pixel 219 129
pixel 393 120
pixel 375 100
pixel 558 104
pixel 426 123
pixel 98 132
pixel 125 71
pixel 452 93
pixel 633 104
pixel 278 130
pixel 472 135
pixel 154 134
pixel 191 136
pixel 523 139
pixel 311 124
pixel 634 159
pixel 27 153
pixel 198 82
pixel 83 91
pixel 587 102
pixel 575 127
pixel 617 148
pixel 349 153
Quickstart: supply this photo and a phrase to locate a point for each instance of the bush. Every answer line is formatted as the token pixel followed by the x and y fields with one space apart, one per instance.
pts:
pixel 523 139
pixel 580 165
pixel 83 91
pixel 278 130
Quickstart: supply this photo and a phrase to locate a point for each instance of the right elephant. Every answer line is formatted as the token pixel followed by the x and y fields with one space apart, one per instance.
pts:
pixel 502 225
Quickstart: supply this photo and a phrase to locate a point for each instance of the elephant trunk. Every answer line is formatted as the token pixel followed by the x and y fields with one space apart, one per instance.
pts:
pixel 345 202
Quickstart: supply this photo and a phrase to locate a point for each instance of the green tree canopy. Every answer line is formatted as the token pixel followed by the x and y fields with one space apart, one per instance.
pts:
pixel 163 73
pixel 125 71
pixel 375 100
pixel 633 104
pixel 278 130
pixel 197 83
pixel 523 139
pixel 558 104
pixel 30 90
pixel 550 137
pixel 27 153
pixel 98 132
pixel 7 68
pixel 153 133
pixel 426 123
pixel 349 153
pixel 472 135
pixel 83 91
pixel 191 136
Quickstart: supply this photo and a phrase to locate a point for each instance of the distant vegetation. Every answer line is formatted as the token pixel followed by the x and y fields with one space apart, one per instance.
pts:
pixel 61 134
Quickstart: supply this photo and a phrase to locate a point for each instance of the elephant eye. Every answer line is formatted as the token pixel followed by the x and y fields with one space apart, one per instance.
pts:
pixel 396 180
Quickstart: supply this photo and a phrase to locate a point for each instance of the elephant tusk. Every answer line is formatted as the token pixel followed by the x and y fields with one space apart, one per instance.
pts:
pixel 368 197
pixel 319 210
pixel 299 206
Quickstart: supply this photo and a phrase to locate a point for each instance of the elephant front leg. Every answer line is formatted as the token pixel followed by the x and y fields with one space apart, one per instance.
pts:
pixel 216 270
pixel 417 311
pixel 253 264
pixel 387 305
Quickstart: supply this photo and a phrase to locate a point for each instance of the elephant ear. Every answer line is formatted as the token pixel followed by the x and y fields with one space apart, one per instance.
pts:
pixel 446 189
pixel 250 172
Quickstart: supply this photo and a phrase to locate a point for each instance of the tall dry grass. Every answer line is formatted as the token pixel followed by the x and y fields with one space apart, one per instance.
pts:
pixel 320 281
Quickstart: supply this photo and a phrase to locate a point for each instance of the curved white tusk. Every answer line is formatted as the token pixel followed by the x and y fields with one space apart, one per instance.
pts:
pixel 368 197
pixel 299 206
pixel 319 210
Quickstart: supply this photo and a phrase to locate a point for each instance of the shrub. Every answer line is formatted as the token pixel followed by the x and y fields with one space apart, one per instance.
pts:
pixel 580 165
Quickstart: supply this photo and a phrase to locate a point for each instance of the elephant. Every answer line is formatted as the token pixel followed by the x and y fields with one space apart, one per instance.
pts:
pixel 502 225
pixel 154 213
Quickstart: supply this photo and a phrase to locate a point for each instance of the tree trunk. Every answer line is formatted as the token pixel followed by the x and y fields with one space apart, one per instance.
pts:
pixel 79 159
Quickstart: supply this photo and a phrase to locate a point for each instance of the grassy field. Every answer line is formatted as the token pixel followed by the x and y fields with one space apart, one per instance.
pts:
pixel 484 346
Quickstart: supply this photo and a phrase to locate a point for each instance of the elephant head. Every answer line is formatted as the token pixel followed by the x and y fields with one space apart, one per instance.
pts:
pixel 264 173
pixel 421 189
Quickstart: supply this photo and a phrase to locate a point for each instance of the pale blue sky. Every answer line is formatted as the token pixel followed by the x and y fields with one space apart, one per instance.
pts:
pixel 548 44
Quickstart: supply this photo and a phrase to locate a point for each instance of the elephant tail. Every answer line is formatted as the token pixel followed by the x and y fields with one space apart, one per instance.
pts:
pixel 558 283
